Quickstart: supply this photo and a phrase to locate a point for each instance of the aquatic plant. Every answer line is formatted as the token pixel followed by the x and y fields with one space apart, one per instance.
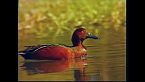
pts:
pixel 39 17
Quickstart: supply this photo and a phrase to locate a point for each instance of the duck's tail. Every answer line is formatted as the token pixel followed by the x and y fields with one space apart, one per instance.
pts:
pixel 27 50
pixel 21 53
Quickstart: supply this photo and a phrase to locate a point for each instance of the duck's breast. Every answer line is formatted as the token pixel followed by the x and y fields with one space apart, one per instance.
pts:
pixel 79 52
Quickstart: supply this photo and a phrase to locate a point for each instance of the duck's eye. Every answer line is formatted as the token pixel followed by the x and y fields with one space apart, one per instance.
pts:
pixel 81 33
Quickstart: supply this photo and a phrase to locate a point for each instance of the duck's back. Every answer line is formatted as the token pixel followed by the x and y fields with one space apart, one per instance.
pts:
pixel 46 52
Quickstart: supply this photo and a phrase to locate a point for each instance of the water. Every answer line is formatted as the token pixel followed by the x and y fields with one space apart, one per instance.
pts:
pixel 106 59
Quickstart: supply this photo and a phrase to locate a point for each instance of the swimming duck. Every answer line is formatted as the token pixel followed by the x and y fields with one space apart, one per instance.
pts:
pixel 60 52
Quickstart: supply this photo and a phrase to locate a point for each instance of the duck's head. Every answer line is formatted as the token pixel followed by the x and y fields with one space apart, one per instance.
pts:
pixel 80 34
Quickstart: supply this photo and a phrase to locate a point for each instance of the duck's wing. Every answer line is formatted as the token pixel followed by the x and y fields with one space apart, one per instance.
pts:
pixel 31 49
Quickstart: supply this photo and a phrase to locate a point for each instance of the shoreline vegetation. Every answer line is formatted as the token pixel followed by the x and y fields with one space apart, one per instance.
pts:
pixel 39 17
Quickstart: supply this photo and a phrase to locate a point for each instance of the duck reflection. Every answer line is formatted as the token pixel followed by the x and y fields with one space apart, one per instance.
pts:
pixel 80 70
pixel 81 73
pixel 45 66
pixel 42 67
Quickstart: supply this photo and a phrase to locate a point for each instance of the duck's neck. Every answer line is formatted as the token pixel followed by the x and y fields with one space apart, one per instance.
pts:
pixel 79 44
pixel 76 41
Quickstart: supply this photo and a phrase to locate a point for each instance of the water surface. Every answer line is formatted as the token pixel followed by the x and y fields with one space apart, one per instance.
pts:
pixel 106 59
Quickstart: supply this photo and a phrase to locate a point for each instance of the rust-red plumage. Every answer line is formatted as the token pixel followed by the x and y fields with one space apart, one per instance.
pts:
pixel 60 52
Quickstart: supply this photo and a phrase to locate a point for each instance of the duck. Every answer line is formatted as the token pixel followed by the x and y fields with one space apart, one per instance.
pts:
pixel 60 52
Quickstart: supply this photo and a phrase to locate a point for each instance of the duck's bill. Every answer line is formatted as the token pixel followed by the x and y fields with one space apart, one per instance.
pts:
pixel 92 36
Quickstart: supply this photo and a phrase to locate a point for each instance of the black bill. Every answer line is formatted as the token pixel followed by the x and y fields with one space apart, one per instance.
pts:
pixel 91 36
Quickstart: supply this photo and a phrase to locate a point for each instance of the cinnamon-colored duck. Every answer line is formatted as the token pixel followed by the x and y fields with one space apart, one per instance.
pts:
pixel 60 52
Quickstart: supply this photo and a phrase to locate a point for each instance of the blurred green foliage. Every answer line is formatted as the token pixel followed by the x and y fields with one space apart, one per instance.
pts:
pixel 39 17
